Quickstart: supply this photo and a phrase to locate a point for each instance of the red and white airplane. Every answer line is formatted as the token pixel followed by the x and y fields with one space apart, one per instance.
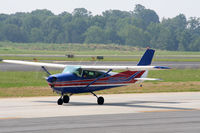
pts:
pixel 82 78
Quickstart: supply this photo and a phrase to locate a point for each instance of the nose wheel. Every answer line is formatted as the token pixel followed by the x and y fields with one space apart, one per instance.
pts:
pixel 63 99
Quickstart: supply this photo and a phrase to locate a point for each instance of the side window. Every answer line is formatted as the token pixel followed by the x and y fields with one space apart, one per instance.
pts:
pixel 85 74
pixel 98 74
pixel 91 74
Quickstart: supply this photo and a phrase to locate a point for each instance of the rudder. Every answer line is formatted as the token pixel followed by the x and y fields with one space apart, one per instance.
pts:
pixel 146 58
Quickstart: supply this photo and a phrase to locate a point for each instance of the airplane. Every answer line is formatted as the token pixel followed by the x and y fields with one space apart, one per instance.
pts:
pixel 88 79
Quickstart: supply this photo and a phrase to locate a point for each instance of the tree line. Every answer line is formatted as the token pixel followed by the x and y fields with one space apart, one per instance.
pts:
pixel 140 27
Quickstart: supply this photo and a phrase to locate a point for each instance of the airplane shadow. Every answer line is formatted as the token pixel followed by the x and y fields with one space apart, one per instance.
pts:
pixel 132 104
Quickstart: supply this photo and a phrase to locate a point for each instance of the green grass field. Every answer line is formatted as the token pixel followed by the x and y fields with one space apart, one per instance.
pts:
pixel 17 84
pixel 42 59
pixel 88 49
pixel 23 79
pixel 21 84
pixel 80 49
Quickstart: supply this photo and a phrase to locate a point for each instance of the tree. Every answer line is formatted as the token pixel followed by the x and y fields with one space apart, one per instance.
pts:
pixel 14 34
pixel 36 35
pixel 31 22
pixel 146 16
pixel 140 28
pixel 42 13
pixel 94 34
pixel 195 44
pixel 81 12
pixel 160 37
pixel 134 36
pixel 14 20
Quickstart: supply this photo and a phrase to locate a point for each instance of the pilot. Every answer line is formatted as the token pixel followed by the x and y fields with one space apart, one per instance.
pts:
pixel 85 74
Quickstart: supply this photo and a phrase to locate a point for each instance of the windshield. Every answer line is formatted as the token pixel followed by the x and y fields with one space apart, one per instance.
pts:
pixel 73 69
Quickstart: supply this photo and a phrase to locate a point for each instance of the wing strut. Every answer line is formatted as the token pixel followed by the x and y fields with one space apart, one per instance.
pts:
pixel 100 100
pixel 46 70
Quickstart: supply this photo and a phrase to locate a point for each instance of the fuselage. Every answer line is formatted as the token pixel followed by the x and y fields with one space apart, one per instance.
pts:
pixel 74 83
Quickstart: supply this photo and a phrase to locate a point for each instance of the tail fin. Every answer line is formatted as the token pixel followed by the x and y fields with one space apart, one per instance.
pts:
pixel 146 58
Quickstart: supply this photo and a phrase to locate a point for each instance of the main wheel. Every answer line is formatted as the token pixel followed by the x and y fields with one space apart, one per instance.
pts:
pixel 66 99
pixel 60 101
pixel 100 100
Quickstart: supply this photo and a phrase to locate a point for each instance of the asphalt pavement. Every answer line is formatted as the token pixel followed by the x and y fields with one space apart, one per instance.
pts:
pixel 160 122
pixel 121 113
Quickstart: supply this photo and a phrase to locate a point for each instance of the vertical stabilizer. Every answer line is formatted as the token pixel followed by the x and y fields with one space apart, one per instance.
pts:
pixel 146 58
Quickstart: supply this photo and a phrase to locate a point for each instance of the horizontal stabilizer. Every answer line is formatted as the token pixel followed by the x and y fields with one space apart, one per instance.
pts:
pixel 147 79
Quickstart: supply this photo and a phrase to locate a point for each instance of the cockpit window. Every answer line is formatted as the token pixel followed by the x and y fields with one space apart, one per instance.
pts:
pixel 73 69
pixel 87 74
pixel 78 72
pixel 91 74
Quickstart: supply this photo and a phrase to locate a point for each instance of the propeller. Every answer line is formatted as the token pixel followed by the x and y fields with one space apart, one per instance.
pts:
pixel 52 80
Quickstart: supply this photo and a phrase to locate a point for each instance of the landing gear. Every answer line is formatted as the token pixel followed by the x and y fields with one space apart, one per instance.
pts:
pixel 60 101
pixel 63 99
pixel 100 100
pixel 66 99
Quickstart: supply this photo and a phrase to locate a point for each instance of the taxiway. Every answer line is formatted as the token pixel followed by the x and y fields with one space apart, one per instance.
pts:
pixel 154 112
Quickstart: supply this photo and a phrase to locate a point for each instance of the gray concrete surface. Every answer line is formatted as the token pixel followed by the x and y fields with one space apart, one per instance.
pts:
pixel 140 113
pixel 36 107
pixel 179 65
pixel 160 122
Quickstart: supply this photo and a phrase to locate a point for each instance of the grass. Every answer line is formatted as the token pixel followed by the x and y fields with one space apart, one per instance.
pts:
pixel 120 51
pixel 106 58
pixel 148 87
pixel 81 49
pixel 177 75
pixel 77 49
pixel 23 79
pixel 20 84
pixel 23 84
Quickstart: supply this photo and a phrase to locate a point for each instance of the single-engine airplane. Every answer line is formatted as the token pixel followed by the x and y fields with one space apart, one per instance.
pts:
pixel 82 78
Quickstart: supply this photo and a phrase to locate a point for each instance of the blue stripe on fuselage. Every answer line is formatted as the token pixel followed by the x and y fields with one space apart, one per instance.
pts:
pixel 83 89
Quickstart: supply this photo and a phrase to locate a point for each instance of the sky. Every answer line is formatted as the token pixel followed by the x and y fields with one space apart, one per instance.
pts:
pixel 164 8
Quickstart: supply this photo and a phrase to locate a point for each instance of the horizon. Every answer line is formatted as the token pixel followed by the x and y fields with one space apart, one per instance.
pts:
pixel 92 12
pixel 189 9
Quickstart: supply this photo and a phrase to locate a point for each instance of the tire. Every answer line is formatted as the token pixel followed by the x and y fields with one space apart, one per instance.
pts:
pixel 100 100
pixel 60 101
pixel 66 99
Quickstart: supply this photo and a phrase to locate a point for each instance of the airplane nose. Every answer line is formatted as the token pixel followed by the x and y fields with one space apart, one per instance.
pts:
pixel 52 79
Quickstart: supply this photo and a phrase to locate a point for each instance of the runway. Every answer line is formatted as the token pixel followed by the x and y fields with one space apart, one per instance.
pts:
pixel 161 122
pixel 178 65
pixel 154 112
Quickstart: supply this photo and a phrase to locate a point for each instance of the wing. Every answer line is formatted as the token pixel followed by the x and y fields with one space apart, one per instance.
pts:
pixel 35 63
pixel 138 68
pixel 87 67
